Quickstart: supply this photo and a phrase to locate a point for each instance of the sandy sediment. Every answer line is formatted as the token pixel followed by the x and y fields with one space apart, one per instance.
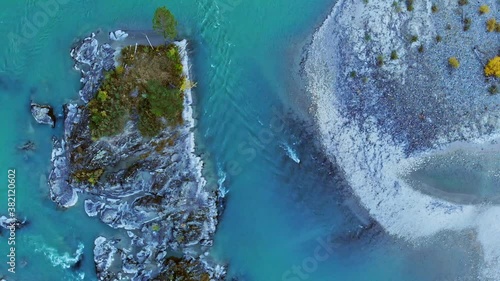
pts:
pixel 379 118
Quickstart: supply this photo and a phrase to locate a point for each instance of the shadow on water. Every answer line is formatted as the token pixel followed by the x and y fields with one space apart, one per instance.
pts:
pixel 317 190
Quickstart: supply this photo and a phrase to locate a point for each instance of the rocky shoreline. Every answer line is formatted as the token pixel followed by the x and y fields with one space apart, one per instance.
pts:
pixel 385 97
pixel 150 188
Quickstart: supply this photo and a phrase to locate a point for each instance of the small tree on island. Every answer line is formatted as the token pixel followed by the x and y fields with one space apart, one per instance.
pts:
pixel 164 22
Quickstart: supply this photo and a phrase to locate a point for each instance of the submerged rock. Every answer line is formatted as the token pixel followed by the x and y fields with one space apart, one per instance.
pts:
pixel 43 114
pixel 6 222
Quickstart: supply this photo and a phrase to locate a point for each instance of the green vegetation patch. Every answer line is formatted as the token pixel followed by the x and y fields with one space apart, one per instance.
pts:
pixel 467 23
pixel 484 9
pixel 493 89
pixel 380 60
pixel 147 84
pixel 88 176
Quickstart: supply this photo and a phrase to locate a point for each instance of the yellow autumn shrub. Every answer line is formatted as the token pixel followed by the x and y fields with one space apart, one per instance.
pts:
pixel 453 62
pixel 493 67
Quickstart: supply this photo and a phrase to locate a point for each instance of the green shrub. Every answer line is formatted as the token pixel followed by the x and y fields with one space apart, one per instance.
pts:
pixel 463 2
pixel 158 103
pixel 155 74
pixel 421 48
pixel 492 68
pixel 165 23
pixel 108 111
pixel 120 69
pixel 165 102
pixel 102 96
pixel 439 38
pixel 492 25
pixel 414 38
pixel 148 124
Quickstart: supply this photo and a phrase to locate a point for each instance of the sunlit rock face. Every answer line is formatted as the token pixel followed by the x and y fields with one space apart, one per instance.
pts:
pixel 386 100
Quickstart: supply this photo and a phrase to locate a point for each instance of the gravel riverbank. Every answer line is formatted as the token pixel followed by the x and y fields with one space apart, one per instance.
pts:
pixel 384 97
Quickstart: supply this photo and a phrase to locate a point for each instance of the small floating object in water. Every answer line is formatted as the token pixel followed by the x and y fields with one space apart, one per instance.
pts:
pixel 291 153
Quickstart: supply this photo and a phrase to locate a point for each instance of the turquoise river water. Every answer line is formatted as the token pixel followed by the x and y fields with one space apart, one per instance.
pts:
pixel 283 220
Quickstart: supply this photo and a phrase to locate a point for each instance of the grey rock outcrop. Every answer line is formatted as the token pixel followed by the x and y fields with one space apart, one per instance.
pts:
pixel 92 59
pixel 43 114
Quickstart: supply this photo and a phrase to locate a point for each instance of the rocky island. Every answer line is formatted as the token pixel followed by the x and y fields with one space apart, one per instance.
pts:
pixel 392 85
pixel 128 149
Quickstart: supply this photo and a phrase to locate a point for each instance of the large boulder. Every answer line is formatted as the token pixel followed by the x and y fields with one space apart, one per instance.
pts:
pixel 43 114
pixel 92 60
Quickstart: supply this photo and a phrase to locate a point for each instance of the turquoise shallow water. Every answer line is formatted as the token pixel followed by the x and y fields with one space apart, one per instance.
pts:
pixel 278 212
pixel 461 175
